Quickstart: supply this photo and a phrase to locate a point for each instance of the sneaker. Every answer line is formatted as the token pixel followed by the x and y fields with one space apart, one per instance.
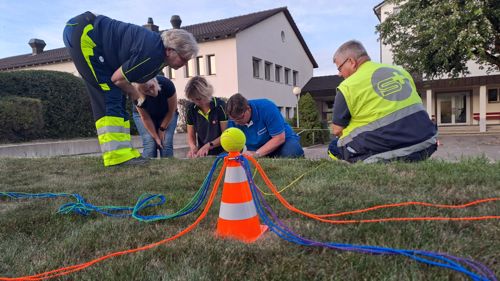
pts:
pixel 135 161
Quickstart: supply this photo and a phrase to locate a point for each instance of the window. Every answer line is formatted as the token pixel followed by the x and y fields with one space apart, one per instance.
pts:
pixel 280 108
pixel 288 110
pixel 211 65
pixel 287 76
pixel 295 77
pixel 267 71
pixel 277 73
pixel 170 72
pixel 200 66
pixel 256 67
pixel 189 69
pixel 493 95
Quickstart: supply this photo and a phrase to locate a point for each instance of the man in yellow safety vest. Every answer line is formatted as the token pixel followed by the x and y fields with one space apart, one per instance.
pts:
pixel 378 114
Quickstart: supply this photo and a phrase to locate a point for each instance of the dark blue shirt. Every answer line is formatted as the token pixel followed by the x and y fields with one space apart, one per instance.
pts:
pixel 157 107
pixel 266 122
pixel 341 113
pixel 139 51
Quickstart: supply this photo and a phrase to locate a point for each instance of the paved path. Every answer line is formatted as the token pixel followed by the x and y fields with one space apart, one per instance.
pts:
pixel 452 148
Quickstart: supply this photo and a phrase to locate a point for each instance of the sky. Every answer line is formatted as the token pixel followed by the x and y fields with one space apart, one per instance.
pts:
pixel 324 24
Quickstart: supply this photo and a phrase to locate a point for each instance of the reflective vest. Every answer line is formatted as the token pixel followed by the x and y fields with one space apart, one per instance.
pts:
pixel 386 114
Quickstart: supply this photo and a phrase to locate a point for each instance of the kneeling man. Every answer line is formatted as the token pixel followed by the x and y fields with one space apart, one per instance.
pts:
pixel 265 129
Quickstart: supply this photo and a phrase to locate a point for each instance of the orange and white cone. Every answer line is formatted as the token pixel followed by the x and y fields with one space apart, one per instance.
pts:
pixel 237 216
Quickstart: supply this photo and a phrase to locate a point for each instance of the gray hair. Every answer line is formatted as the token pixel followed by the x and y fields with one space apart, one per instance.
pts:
pixel 181 41
pixel 351 49
pixel 198 87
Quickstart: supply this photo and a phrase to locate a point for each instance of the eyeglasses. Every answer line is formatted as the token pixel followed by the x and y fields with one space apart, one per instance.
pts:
pixel 342 64
pixel 241 117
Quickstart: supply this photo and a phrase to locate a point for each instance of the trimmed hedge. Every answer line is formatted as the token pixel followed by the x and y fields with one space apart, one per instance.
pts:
pixel 65 104
pixel 21 119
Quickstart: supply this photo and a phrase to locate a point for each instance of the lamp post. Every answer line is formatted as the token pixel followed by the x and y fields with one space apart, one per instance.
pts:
pixel 296 91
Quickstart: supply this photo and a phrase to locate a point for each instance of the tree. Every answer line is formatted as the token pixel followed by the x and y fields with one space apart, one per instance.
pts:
pixel 435 37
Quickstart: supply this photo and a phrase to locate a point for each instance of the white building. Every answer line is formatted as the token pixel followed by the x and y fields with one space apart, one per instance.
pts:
pixel 260 55
pixel 473 100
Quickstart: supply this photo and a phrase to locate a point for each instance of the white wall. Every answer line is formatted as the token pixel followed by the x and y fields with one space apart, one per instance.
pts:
pixel 225 80
pixel 64 67
pixel 386 55
pixel 263 41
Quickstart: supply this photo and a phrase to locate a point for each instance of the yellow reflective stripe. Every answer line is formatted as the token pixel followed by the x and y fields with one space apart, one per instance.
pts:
pixel 104 138
pixel 123 74
pixel 71 24
pixel 104 87
pixel 111 121
pixel 119 156
pixel 144 61
pixel 87 46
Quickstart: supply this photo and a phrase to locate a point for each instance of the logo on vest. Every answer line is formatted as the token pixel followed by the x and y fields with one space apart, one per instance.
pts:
pixel 391 84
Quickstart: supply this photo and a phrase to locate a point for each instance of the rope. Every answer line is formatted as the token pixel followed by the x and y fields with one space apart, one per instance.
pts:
pixel 74 268
pixel 322 218
pixel 436 259
pixel 292 183
pixel 144 201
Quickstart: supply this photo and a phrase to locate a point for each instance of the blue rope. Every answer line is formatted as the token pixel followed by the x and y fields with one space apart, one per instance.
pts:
pixel 145 201
pixel 430 258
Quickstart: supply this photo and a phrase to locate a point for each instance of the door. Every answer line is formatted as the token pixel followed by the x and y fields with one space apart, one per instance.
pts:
pixel 453 109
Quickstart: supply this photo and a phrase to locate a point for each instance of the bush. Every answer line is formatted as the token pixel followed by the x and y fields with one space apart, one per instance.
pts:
pixel 21 118
pixel 182 105
pixel 65 104
pixel 309 119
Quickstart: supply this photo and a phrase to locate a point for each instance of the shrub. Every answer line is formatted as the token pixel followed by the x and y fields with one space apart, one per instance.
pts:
pixel 309 119
pixel 21 118
pixel 65 104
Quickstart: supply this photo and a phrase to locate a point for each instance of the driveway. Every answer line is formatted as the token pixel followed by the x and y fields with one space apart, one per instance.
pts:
pixel 453 148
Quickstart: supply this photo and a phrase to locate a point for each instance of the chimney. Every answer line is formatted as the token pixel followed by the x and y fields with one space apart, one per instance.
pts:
pixel 37 46
pixel 176 21
pixel 151 26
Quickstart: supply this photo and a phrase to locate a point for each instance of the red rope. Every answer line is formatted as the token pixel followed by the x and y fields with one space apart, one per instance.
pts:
pixel 70 269
pixel 323 217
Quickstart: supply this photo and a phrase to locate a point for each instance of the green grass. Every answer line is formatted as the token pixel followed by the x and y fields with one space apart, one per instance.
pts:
pixel 34 238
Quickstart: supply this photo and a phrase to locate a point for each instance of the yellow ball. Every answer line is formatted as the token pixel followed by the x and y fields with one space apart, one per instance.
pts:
pixel 233 140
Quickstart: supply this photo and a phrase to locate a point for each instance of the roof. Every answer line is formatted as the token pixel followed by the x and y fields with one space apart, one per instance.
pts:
pixel 377 9
pixel 322 86
pixel 227 28
pixel 203 32
pixel 27 60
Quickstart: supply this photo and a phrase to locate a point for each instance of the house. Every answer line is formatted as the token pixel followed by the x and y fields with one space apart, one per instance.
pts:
pixel 473 101
pixel 323 89
pixel 260 55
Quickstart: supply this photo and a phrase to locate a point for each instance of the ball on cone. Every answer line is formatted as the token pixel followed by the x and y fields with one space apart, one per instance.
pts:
pixel 232 140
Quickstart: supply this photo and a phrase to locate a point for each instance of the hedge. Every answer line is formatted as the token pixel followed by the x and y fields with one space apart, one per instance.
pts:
pixel 65 105
pixel 21 118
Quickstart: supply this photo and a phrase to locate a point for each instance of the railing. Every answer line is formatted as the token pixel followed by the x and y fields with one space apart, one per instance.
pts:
pixel 313 132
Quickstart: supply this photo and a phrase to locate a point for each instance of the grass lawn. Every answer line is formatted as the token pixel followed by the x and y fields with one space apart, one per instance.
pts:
pixel 35 239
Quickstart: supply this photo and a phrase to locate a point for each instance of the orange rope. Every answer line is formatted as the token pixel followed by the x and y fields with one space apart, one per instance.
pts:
pixel 322 217
pixel 67 270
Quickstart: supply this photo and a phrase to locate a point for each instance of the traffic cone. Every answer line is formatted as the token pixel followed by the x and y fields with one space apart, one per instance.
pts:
pixel 237 216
